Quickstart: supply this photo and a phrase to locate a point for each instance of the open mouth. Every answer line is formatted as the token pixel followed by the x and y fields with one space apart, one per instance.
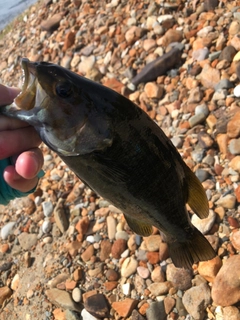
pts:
pixel 26 99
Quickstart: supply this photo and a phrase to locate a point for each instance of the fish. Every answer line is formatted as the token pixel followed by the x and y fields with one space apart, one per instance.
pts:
pixel 116 149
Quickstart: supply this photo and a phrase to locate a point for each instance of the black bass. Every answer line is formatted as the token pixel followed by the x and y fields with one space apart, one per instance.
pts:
pixel 119 152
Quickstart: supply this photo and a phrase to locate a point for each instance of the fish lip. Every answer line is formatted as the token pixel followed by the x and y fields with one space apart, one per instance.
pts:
pixel 26 98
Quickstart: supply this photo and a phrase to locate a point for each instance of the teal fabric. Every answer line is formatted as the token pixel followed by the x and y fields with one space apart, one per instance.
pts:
pixel 6 192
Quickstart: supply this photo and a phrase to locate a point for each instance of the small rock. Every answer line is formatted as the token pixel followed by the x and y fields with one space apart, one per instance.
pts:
pixel 228 53
pixel 62 299
pixel 227 201
pixel 15 282
pixel 152 242
pixel 226 285
pixel 76 295
pixel 233 126
pixel 235 239
pixel 86 64
pixel 153 90
pixel 209 76
pixel 231 313
pixel 234 146
pixel 200 54
pixel 46 226
pixel 88 253
pixel 118 247
pixel 196 300
pixel 158 275
pixel 106 248
pixel 204 225
pixel 97 305
pixel 111 227
pixel 209 269
pixel 60 216
pixel 5 293
pixel 47 208
pixel 87 316
pixel 7 230
pixel 129 267
pixel 52 23
pixel 160 288
pixel 125 307
pixel 169 304
pixel 156 311
pixel 180 277
pixel 27 240
pixel 196 119
pixel 143 272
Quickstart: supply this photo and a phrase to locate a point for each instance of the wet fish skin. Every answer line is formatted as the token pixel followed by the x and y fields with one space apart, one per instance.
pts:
pixel 123 155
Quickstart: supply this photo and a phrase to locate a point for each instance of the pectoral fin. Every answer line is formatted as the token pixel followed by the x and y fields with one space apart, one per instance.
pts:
pixel 197 198
pixel 141 228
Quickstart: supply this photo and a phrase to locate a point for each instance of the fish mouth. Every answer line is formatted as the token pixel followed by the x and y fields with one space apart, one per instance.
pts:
pixel 26 98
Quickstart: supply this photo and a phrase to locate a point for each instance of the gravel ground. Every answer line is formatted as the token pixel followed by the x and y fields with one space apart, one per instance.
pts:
pixel 66 253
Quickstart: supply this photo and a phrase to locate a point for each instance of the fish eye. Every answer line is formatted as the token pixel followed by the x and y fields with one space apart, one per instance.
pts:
pixel 64 90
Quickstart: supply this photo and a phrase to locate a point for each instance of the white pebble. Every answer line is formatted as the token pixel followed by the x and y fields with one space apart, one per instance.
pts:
pixel 76 295
pixel 7 230
pixel 46 226
pixel 47 208
pixel 38 201
pixel 87 316
pixel 236 91
pixel 90 239
pixel 126 289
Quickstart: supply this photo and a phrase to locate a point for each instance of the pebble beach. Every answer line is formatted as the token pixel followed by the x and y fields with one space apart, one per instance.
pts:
pixel 68 254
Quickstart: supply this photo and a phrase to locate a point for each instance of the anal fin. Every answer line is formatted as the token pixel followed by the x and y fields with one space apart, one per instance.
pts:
pixel 197 198
pixel 196 249
pixel 141 228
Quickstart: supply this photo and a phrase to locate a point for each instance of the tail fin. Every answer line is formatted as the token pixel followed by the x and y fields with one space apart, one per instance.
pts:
pixel 184 254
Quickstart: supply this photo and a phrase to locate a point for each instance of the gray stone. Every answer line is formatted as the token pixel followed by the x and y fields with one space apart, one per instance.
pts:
pixel 200 54
pixel 197 119
pixel 223 84
pixel 202 175
pixel 228 53
pixel 156 311
pixel 7 230
pixel 196 300
pixel 60 216
pixel 62 299
pixel 181 278
pixel 234 146
pixel 27 240
pixel 47 208
pixel 202 108
pixel 220 94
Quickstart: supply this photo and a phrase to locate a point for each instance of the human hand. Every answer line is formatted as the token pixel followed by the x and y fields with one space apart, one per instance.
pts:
pixel 20 158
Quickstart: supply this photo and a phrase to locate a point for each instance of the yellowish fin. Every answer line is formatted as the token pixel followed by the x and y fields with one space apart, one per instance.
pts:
pixel 141 228
pixel 197 248
pixel 197 198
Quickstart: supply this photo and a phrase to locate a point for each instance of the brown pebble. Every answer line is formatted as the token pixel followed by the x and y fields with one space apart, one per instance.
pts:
pixel 125 307
pixel 118 247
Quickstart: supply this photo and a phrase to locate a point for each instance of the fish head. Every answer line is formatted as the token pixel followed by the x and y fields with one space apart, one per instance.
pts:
pixel 67 116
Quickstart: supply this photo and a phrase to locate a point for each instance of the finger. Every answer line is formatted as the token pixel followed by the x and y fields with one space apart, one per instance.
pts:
pixel 29 163
pixel 17 182
pixel 7 94
pixel 11 124
pixel 16 141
